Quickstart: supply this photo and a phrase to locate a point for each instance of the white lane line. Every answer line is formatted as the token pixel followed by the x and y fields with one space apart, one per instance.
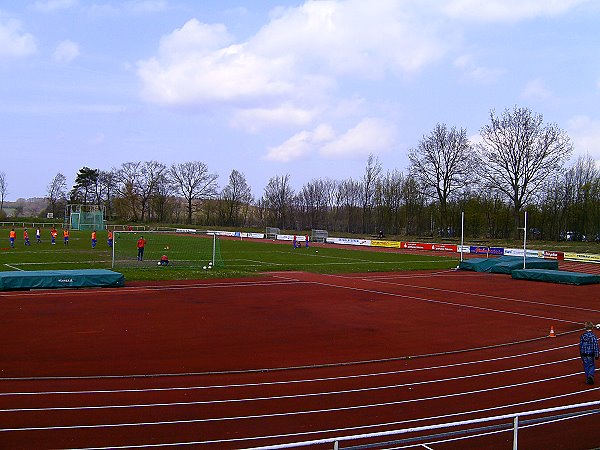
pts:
pixel 282 397
pixel 292 413
pixel 297 381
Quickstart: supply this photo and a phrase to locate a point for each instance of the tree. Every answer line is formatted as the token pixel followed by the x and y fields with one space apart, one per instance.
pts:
pixel 236 195
pixel 193 182
pixel 519 153
pixel 368 185
pixel 3 189
pixel 152 175
pixel 442 164
pixel 127 176
pixel 85 189
pixel 278 198
pixel 56 192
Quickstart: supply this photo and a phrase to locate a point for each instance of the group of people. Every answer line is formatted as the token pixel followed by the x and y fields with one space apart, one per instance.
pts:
pixel 12 237
pixel 298 244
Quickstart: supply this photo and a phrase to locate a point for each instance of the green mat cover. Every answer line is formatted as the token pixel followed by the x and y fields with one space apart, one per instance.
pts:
pixel 52 279
pixel 530 263
pixel 555 276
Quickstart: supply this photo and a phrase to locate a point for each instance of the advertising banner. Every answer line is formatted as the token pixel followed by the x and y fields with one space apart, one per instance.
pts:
pixel 387 244
pixel 498 251
pixel 560 256
pixel 519 252
pixel 417 246
pixel 583 257
pixel 349 241
pixel 444 247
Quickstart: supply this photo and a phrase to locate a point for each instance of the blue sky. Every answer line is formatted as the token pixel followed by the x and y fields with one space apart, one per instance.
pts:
pixel 271 88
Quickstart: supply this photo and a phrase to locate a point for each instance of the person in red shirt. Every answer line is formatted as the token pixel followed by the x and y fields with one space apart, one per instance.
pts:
pixel 110 238
pixel 66 236
pixel 94 239
pixel 141 243
pixel 11 237
pixel 53 233
pixel 26 237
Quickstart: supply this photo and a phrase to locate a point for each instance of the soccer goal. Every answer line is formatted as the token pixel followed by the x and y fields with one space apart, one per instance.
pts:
pixel 272 232
pixel 180 248
pixel 319 236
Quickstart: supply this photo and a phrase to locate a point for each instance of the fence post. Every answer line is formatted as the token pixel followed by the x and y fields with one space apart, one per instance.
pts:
pixel 515 433
pixel 336 445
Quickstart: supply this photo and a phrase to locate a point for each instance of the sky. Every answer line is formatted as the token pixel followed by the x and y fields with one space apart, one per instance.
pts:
pixel 270 88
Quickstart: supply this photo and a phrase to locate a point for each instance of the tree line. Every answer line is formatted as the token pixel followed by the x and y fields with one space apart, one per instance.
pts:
pixel 517 164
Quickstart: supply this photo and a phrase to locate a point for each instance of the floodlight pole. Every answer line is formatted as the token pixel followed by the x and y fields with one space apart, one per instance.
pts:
pixel 214 248
pixel 524 241
pixel 462 234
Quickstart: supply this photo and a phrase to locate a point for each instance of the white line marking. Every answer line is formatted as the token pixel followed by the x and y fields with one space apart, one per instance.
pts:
pixel 292 413
pixel 310 380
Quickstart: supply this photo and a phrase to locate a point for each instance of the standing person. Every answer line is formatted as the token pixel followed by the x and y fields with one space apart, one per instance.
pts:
pixel 53 234
pixel 26 237
pixel 66 236
pixel 11 237
pixel 588 349
pixel 38 236
pixel 94 239
pixel 110 238
pixel 294 241
pixel 141 243
pixel 306 241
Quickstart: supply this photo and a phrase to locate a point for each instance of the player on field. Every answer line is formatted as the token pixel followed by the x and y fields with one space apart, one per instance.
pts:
pixel 110 238
pixel 94 239
pixel 53 234
pixel 38 236
pixel 11 237
pixel 26 237
pixel 66 236
pixel 141 243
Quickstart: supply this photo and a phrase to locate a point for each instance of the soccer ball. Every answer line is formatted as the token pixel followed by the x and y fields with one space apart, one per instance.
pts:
pixel 158 263
pixel 204 267
pixel 316 251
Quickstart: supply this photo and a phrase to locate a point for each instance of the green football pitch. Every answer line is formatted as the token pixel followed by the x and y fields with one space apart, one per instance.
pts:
pixel 241 258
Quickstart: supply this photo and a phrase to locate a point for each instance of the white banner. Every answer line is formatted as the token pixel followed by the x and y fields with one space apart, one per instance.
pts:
pixel 349 241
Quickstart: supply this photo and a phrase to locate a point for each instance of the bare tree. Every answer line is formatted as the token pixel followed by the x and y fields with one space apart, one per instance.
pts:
pixel 236 195
pixel 3 189
pixel 278 198
pixel 519 153
pixel 152 175
pixel 127 178
pixel 56 192
pixel 193 182
pixel 368 185
pixel 442 164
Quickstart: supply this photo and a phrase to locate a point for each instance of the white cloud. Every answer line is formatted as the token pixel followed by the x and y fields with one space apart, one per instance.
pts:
pixel 13 41
pixel 479 74
pixel 66 51
pixel 255 119
pixel 508 11
pixel 585 134
pixel 299 54
pixel 536 90
pixel 300 145
pixel 370 136
pixel 53 5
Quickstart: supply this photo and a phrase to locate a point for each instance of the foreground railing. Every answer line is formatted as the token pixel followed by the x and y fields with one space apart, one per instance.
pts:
pixel 517 420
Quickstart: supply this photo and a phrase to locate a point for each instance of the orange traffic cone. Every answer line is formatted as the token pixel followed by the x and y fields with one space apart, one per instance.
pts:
pixel 552 332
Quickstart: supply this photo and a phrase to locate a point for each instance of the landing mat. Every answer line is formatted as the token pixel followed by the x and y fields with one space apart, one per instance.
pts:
pixel 555 276
pixel 530 263
pixel 60 279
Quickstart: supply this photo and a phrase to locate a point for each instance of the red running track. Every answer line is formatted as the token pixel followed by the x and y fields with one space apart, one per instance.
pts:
pixel 291 357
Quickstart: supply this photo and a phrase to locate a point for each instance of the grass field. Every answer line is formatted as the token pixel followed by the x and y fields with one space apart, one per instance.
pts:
pixel 242 258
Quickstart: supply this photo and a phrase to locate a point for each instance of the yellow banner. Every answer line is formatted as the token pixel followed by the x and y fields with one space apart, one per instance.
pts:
pixel 389 244
pixel 584 257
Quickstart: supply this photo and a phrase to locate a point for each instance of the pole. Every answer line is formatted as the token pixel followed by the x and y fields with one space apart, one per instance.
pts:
pixel 462 234
pixel 214 248
pixel 525 242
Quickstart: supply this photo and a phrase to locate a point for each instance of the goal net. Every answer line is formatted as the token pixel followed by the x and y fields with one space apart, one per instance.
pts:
pixel 272 232
pixel 181 248
pixel 319 235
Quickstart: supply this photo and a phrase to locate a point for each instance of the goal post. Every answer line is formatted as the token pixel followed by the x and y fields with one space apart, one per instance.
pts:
pixel 182 248
pixel 272 232
pixel 319 236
